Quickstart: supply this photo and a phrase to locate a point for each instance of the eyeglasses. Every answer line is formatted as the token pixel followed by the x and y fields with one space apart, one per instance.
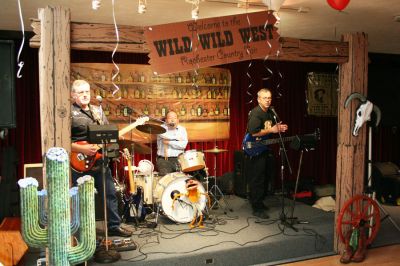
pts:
pixel 83 92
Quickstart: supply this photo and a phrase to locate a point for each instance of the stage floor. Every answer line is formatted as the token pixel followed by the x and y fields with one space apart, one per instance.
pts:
pixel 233 238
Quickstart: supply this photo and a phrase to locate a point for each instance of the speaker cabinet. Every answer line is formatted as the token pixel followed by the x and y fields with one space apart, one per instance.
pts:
pixel 386 182
pixel 7 84
pixel 240 180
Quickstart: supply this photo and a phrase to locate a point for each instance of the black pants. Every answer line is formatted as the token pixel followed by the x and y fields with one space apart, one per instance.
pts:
pixel 260 174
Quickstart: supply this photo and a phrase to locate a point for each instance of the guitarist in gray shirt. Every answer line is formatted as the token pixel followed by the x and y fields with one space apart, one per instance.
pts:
pixel 84 114
pixel 260 169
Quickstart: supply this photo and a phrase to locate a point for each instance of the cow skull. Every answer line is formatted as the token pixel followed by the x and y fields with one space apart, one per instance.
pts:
pixel 363 112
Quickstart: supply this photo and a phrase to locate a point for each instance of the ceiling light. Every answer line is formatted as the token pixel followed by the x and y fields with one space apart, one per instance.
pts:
pixel 142 6
pixel 96 4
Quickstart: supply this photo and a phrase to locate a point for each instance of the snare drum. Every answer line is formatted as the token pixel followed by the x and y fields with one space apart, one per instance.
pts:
pixel 191 160
pixel 183 211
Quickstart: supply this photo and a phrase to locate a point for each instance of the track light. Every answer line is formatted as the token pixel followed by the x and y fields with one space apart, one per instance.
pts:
pixel 96 4
pixel 142 6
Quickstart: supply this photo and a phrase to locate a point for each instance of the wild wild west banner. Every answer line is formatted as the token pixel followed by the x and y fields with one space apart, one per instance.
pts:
pixel 191 45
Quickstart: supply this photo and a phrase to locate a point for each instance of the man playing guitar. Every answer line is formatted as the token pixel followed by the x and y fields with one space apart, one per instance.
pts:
pixel 84 114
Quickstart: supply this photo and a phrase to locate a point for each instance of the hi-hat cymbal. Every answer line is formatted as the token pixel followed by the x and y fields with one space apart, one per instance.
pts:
pixel 216 150
pixel 136 146
pixel 151 128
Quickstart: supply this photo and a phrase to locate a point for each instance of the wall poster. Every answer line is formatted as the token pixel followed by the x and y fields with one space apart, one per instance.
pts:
pixel 322 94
pixel 201 101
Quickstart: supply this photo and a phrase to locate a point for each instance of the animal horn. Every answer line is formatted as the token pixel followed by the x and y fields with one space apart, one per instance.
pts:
pixel 357 95
pixel 378 114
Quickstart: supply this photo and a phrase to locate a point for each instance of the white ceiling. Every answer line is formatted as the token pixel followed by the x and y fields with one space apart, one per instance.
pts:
pixel 321 22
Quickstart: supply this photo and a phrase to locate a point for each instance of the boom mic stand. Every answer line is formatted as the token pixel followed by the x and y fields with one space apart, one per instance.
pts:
pixel 284 158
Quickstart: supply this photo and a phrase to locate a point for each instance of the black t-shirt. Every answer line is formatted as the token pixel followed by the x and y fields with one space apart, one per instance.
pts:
pixel 258 120
pixel 81 119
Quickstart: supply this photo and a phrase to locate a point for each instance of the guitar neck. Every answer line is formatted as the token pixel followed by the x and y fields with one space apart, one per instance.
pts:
pixel 132 185
pixel 273 141
pixel 127 129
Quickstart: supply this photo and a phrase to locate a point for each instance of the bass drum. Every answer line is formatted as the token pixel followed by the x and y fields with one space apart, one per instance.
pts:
pixel 164 182
pixel 183 211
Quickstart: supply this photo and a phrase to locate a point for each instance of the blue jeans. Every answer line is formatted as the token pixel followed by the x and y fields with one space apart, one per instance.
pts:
pixel 113 218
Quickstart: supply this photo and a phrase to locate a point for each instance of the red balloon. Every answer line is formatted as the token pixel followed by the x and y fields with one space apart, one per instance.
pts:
pixel 338 4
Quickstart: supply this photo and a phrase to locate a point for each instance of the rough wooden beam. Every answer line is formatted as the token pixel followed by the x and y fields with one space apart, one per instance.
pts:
pixel 101 37
pixel 351 153
pixel 54 82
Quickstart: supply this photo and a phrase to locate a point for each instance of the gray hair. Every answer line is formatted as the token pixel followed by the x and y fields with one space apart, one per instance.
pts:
pixel 79 83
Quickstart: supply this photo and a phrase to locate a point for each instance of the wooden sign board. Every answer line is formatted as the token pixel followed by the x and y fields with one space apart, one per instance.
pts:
pixel 196 44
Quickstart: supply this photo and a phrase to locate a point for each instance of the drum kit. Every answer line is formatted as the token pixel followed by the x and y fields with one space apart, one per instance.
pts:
pixel 157 191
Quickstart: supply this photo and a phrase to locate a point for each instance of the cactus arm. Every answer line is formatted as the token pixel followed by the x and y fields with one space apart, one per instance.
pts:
pixel 42 195
pixel 32 233
pixel 73 192
pixel 87 232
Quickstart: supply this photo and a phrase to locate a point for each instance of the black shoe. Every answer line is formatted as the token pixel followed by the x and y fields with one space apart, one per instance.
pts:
pixel 260 214
pixel 119 231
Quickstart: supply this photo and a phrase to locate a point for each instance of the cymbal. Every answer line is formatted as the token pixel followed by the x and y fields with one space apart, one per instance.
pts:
pixel 216 150
pixel 136 146
pixel 151 128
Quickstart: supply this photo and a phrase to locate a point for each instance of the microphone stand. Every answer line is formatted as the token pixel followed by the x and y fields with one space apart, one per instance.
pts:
pixel 107 255
pixel 284 159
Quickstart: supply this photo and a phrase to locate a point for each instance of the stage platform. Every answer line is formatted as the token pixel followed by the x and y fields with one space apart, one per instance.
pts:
pixel 236 238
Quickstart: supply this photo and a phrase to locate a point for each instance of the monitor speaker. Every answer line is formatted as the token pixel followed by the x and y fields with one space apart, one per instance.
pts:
pixel 7 84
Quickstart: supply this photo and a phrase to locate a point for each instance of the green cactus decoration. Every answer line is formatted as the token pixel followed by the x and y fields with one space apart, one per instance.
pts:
pixel 57 237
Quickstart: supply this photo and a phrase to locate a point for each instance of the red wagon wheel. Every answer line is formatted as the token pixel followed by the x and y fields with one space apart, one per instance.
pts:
pixel 359 211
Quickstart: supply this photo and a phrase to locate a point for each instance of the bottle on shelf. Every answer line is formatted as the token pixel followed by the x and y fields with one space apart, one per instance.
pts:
pixel 193 111
pixel 125 111
pixel 213 79
pixel 183 110
pixel 142 77
pixel 219 94
pixel 216 110
pixel 164 111
pixel 225 110
pixel 142 93
pixel 157 111
pixel 179 93
pixel 199 110
pixel 103 76
pixel 146 110
pixel 106 110
pixel 205 112
pixel 209 93
pixel 175 93
pixel 186 94
pixel 211 113
pixel 137 93
pixel 179 78
pixel 187 78
pixel 117 111
pixel 213 93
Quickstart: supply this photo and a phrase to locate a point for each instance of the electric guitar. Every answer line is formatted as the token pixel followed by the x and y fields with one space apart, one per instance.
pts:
pixel 254 146
pixel 134 202
pixel 83 163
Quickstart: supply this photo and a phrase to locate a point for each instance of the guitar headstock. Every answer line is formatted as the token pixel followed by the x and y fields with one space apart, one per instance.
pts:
pixel 126 154
pixel 141 120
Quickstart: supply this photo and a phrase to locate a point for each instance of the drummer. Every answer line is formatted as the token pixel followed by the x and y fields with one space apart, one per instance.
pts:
pixel 170 144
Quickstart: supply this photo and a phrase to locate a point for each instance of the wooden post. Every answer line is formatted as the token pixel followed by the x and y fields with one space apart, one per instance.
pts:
pixel 54 79
pixel 351 153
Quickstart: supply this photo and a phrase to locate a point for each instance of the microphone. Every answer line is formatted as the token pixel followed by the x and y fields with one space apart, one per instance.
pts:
pixel 99 99
pixel 274 112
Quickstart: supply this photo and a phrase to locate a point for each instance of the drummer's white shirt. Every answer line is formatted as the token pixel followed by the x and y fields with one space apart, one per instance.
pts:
pixel 177 141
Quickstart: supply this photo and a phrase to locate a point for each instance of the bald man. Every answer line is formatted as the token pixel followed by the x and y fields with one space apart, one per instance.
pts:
pixel 170 144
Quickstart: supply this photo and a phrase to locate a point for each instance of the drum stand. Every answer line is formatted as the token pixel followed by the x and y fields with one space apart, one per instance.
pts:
pixel 215 191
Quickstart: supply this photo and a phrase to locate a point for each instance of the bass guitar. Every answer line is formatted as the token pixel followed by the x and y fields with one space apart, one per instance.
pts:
pixel 134 208
pixel 83 163
pixel 253 146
